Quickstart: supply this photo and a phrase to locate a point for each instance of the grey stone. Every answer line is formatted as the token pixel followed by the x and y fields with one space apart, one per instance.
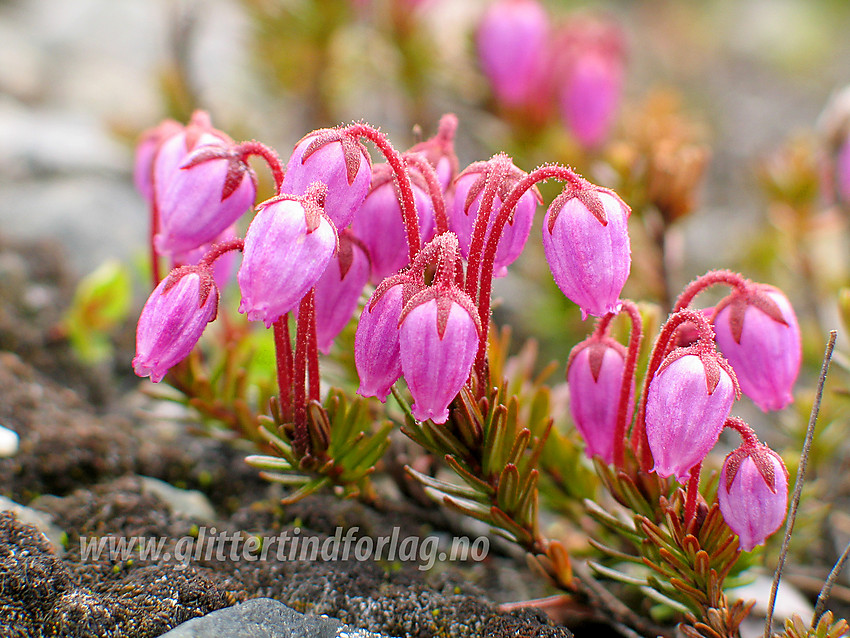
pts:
pixel 42 521
pixel 264 618
pixel 189 503
pixel 9 442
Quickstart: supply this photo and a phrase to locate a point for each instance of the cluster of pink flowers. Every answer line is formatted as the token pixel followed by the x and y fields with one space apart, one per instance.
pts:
pixel 431 239
pixel 577 68
pixel 702 361
pixel 340 221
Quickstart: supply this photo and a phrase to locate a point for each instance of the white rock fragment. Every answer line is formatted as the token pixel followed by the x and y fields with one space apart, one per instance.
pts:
pixel 8 442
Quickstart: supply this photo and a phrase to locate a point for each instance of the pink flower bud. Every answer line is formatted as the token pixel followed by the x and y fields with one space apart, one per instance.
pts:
pixel 753 493
pixel 173 320
pixel 469 188
pixel 210 189
pixel 513 49
pixel 379 225
pixel 438 341
pixel 758 334
pixel 146 150
pixel 591 68
pixel 338 160
pixel 689 398
pixel 288 246
pixel 586 242
pixel 376 346
pixel 338 289
pixel 595 375
pixel 440 151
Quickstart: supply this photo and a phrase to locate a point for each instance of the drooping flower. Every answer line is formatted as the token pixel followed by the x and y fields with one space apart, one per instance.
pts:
pixel 595 375
pixel 376 344
pixel 757 332
pixel 753 493
pixel 513 48
pixel 146 150
pixel 440 151
pixel 438 341
pixel 689 398
pixel 337 159
pixel 591 63
pixel 288 246
pixel 469 189
pixel 173 319
pixel 338 289
pixel 379 225
pixel 586 242
pixel 202 185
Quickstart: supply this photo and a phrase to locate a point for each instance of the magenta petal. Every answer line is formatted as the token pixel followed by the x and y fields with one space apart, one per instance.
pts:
pixel 191 209
pixel 767 360
pixel 281 260
pixel 751 509
pixel 590 262
pixel 684 421
pixel 337 294
pixel 513 48
pixel 376 345
pixel 379 226
pixel 436 369
pixel 514 234
pixel 327 164
pixel 594 401
pixel 170 325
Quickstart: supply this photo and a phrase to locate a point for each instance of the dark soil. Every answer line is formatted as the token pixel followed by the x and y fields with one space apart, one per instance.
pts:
pixel 86 437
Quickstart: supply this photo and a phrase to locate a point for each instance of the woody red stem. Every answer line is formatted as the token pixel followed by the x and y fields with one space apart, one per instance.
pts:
pixel 284 361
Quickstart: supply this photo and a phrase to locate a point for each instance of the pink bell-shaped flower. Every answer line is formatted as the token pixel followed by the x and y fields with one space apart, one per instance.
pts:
pixel 757 332
pixel 689 398
pixel 288 246
pixel 338 289
pixel 595 375
pixel 440 151
pixel 469 189
pixel 337 159
pixel 513 48
pixel 146 150
pixel 202 185
pixel 753 493
pixel 173 319
pixel 586 242
pixel 591 63
pixel 379 225
pixel 376 345
pixel 438 341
